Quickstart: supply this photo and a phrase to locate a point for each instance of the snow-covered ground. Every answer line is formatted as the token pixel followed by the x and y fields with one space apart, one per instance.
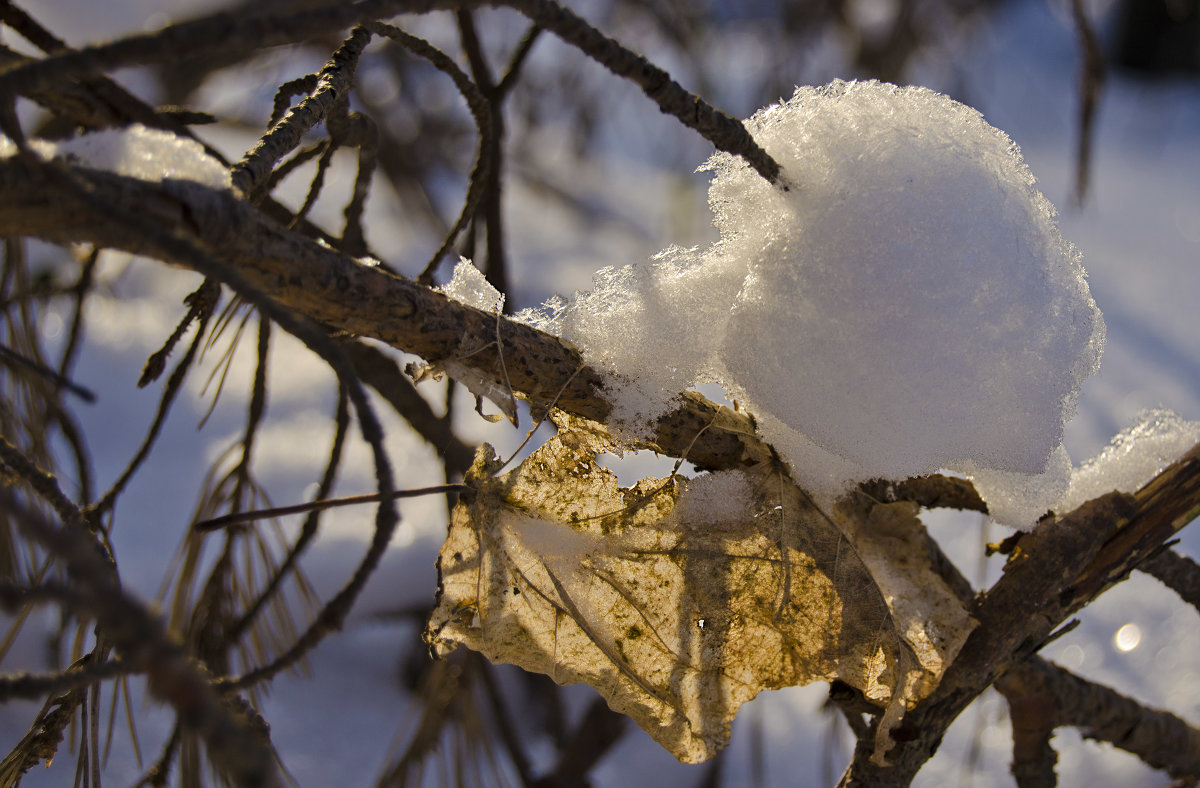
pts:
pixel 1139 232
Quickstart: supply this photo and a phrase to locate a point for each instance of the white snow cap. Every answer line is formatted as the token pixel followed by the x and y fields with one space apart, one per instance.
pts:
pixel 1134 457
pixel 137 152
pixel 908 304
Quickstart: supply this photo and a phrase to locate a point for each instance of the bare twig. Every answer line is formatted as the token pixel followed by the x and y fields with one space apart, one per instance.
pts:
pixel 36 685
pixel 721 130
pixel 285 136
pixel 1091 82
pixel 137 633
pixel 597 732
pixel 382 372
pixel 201 303
pixel 237 518
pixel 480 111
pixel 14 358
pixel 491 215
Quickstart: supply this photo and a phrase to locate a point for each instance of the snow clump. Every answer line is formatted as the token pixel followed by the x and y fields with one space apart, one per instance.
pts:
pixel 469 286
pixel 906 304
pixel 135 151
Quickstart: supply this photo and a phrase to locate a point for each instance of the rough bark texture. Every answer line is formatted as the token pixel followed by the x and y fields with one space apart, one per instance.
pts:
pixel 1177 572
pixel 1055 698
pixel 1053 572
pixel 336 290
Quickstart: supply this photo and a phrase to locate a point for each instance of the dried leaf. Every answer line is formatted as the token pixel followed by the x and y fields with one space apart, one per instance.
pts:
pixel 676 621
pixel 891 541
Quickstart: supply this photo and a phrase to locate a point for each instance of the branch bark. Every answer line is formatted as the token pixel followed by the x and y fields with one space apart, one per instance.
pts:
pixel 1177 572
pixel 336 290
pixel 1159 738
pixel 1053 572
pixel 136 632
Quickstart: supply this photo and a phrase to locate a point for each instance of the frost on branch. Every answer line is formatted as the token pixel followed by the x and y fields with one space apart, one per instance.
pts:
pixel 907 305
pixel 469 286
pixel 676 611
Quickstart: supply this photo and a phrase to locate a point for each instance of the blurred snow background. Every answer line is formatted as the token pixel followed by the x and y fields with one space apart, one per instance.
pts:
pixel 1139 231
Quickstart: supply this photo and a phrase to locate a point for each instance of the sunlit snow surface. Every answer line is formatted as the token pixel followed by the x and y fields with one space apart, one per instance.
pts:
pixel 138 152
pixel 907 303
pixel 468 286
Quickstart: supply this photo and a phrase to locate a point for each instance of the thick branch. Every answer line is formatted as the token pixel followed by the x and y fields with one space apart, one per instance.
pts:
pixel 1031 708
pixel 336 290
pixel 1053 572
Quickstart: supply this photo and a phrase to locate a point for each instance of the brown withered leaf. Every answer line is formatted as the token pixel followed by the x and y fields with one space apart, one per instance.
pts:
pixel 676 614
pixel 890 539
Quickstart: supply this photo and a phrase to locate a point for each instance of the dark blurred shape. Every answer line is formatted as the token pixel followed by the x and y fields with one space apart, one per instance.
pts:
pixel 1158 37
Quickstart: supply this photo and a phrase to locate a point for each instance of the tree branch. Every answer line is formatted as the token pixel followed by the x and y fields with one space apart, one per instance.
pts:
pixel 249 174
pixel 336 290
pixel 1158 738
pixel 1031 708
pixel 137 633
pixel 38 685
pixel 721 130
pixel 1177 572
pixel 210 34
pixel 1052 573
pixel 218 32
pixel 1055 570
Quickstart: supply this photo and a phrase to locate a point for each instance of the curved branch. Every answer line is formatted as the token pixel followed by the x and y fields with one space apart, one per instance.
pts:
pixel 334 80
pixel 1177 572
pixel 1160 739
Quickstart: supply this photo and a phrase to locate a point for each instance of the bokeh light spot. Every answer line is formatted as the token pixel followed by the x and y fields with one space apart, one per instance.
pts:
pixel 1128 637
